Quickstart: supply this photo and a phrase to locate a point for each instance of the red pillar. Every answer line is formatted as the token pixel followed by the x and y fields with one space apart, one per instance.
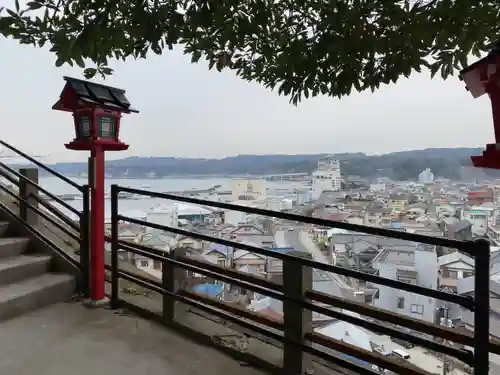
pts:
pixel 494 94
pixel 97 226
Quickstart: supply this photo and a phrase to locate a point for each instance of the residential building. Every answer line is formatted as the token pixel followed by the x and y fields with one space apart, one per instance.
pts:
pixel 453 267
pixel 377 215
pixel 446 210
pixel 479 217
pixel 378 188
pixel 326 177
pixel 249 190
pixel 219 254
pixel 426 176
pixel 398 202
pixel 478 197
pixel 189 242
pixel 465 287
pixel 350 334
pixel 251 233
pixel 165 215
pixel 416 265
pixel 244 258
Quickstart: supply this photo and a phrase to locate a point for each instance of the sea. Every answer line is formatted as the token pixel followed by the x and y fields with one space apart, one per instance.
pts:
pixel 138 207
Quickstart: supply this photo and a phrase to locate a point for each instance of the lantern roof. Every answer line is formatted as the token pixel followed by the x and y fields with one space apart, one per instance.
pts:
pixel 92 93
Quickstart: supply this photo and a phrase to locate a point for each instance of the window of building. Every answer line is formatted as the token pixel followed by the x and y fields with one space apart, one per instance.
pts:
pixel 452 274
pixel 157 264
pixel 417 309
pixel 144 263
pixel 467 274
pixel 401 303
pixel 406 280
pixel 123 255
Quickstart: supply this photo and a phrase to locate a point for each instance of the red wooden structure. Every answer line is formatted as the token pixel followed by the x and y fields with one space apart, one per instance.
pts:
pixel 483 77
pixel 97 111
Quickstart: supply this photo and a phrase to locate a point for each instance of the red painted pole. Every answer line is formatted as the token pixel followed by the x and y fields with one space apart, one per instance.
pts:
pixel 494 94
pixel 97 227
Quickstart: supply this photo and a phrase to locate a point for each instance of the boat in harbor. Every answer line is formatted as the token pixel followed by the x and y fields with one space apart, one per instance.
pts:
pixel 125 195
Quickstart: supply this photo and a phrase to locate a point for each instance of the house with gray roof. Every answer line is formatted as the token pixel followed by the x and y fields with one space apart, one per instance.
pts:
pixel 416 265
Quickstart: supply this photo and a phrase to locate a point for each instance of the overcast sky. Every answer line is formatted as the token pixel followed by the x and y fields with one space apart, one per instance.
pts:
pixel 188 111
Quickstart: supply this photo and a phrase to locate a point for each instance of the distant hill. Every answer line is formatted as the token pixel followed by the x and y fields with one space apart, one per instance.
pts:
pixel 444 162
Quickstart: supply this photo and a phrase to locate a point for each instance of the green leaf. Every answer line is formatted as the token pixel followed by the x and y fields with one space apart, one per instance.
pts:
pixel 195 57
pixel 89 73
pixel 79 61
pixel 106 71
pixel 300 48
pixel 33 5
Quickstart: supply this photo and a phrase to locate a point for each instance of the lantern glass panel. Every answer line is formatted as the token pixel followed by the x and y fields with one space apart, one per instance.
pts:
pixel 107 127
pixel 84 128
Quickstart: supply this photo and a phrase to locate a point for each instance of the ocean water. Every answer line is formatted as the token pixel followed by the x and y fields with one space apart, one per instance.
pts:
pixel 137 207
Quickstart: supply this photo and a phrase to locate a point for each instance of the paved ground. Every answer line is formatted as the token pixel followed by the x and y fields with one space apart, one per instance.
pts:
pixel 69 339
pixel 301 240
pixel 418 355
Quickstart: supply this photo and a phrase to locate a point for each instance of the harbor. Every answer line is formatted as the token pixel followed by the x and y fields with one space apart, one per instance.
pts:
pixel 124 195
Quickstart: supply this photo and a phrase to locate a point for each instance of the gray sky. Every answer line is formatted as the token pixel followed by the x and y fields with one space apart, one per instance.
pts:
pixel 188 111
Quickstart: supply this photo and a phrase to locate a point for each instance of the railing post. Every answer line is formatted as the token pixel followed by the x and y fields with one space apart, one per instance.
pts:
pixel 172 279
pixel 482 304
pixel 85 241
pixel 297 280
pixel 114 246
pixel 27 192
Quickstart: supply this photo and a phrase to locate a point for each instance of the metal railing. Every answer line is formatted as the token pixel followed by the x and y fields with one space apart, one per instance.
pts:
pixel 25 194
pixel 298 339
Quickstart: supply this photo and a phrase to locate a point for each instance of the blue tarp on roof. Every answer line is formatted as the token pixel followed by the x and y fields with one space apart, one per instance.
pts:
pixel 211 290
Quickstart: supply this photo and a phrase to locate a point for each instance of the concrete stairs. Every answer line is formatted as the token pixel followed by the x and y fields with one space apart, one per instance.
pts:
pixel 26 280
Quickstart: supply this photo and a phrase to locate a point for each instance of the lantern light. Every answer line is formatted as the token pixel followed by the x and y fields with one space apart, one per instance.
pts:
pixel 97 111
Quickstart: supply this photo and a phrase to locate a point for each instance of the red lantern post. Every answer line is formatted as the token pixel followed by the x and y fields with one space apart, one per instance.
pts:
pixel 483 77
pixel 97 111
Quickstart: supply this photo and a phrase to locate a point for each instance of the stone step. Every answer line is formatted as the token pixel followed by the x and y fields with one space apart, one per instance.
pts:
pixel 13 246
pixel 22 267
pixel 33 293
pixel 4 225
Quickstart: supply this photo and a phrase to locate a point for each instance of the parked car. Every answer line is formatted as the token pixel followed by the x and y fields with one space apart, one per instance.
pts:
pixel 404 344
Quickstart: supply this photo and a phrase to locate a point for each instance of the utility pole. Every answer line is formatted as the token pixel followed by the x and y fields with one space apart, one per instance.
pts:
pixel 445 323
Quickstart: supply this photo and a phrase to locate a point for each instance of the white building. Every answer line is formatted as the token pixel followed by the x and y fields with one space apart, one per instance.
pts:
pixel 326 177
pixel 480 217
pixel 238 217
pixel 163 215
pixel 248 190
pixel 378 188
pixel 426 176
pixel 418 266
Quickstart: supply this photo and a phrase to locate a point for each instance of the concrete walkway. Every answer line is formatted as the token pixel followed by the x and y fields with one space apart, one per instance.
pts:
pixel 69 339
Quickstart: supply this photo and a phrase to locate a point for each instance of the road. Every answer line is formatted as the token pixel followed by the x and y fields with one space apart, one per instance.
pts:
pixel 418 356
pixel 300 240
